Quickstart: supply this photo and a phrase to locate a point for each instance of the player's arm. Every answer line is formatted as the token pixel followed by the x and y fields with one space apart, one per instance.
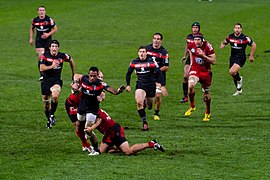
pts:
pixel 224 43
pixel 44 67
pixel 115 91
pixel 72 66
pixel 53 31
pixel 185 54
pixel 31 34
pixel 210 58
pixel 253 49
pixel 128 78
pixel 94 126
pixel 77 78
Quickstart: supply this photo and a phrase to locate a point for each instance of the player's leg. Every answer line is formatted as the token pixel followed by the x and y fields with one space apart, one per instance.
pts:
pixel 234 72
pixel 56 90
pixel 207 100
pixel 158 99
pixel 39 52
pixel 192 81
pixel 47 109
pixel 140 95
pixel 185 83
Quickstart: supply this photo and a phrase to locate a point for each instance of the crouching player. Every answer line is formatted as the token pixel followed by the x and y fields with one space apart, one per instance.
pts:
pixel 114 136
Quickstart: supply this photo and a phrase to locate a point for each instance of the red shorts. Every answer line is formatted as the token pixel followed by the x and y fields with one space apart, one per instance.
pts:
pixel 205 77
pixel 116 136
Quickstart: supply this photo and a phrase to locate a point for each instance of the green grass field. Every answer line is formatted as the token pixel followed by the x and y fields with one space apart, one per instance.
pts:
pixel 233 145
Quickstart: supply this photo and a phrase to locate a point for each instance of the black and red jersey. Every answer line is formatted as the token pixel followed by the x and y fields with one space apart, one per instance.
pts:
pixel 90 91
pixel 47 59
pixel 197 62
pixel 43 25
pixel 238 44
pixel 144 70
pixel 160 55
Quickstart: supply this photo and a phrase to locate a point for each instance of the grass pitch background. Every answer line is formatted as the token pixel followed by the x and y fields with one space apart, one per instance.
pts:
pixel 233 145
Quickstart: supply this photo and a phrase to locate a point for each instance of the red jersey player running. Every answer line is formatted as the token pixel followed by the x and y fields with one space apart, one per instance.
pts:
pixel 202 55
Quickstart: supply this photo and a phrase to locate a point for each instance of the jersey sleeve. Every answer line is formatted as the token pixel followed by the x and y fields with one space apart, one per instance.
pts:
pixel 129 72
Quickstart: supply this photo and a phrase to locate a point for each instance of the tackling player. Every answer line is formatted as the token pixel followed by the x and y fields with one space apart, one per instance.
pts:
pixel 114 135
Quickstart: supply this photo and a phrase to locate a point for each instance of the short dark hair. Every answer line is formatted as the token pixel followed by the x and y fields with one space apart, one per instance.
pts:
pixel 161 36
pixel 41 7
pixel 93 68
pixel 238 24
pixel 198 36
pixel 55 42
pixel 142 47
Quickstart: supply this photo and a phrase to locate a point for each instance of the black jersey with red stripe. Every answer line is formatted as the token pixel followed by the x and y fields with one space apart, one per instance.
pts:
pixel 144 70
pixel 47 59
pixel 238 44
pixel 160 55
pixel 90 91
pixel 43 25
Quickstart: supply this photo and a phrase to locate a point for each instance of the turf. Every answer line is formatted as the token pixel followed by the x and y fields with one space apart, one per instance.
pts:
pixel 233 145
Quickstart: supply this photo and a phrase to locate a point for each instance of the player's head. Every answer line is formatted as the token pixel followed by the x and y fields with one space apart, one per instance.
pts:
pixel 54 47
pixel 100 75
pixel 157 40
pixel 41 11
pixel 195 27
pixel 142 52
pixel 198 40
pixel 237 29
pixel 93 74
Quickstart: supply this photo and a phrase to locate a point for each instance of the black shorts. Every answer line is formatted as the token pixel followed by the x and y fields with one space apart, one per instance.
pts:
pixel 116 136
pixel 150 91
pixel 46 86
pixel 43 43
pixel 237 60
pixel 187 60
pixel 164 76
pixel 71 112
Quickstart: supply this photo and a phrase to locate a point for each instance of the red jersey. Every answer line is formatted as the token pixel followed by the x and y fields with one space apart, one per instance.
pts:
pixel 106 122
pixel 198 63
pixel 74 99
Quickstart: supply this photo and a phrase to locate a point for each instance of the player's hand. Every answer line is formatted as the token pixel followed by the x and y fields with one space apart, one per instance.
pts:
pixel 55 64
pixel 44 35
pixel 128 88
pixel 121 89
pixel 88 129
pixel 251 58
pixel 222 46
pixel 200 51
pixel 31 42
pixel 164 91
pixel 183 59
